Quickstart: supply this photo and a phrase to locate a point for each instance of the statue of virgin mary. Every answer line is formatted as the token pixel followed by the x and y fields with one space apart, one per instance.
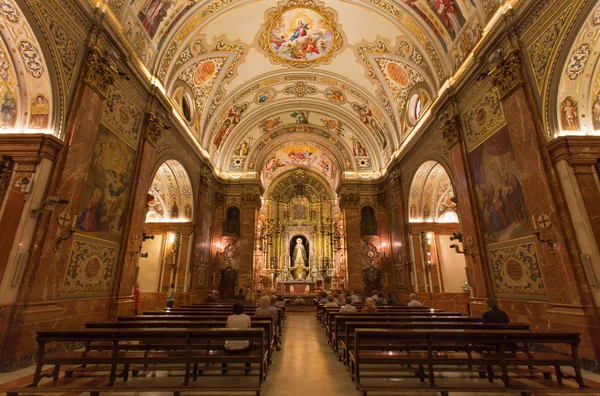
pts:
pixel 299 259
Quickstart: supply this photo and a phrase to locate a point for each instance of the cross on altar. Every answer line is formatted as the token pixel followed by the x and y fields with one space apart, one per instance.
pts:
pixel 544 221
pixel 64 219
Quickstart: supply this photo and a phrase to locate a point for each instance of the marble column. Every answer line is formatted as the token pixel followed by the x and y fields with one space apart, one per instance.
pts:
pixel 138 206
pixel 349 204
pixel 246 243
pixel 200 248
pixel 44 275
pixel 564 275
pixel 477 268
pixel 216 241
pixel 419 261
pixel 401 248
pixel 384 237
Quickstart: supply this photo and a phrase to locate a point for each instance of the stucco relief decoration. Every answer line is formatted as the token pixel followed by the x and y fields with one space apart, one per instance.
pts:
pixel 400 79
pixel 91 268
pixel 31 58
pixel 578 61
pixel 596 17
pixel 301 34
pixel 483 118
pixel 300 89
pixel 370 255
pixel 121 115
pixel 268 124
pixel 516 271
pixel 200 77
pixel 569 114
pixel 8 11
pixel 335 96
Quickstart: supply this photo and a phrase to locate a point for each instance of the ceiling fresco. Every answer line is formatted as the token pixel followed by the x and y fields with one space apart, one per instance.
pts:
pixel 279 70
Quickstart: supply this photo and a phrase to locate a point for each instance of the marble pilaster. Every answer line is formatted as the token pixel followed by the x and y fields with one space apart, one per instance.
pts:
pixel 351 210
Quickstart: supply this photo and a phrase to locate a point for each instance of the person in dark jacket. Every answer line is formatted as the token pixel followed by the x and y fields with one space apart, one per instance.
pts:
pixel 240 296
pixel 391 300
pixel 494 315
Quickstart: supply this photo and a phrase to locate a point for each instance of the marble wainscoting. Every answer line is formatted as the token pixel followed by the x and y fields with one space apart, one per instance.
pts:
pixel 22 323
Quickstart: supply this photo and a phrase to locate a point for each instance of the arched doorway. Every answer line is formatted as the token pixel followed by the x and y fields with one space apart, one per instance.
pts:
pixel 432 222
pixel 168 228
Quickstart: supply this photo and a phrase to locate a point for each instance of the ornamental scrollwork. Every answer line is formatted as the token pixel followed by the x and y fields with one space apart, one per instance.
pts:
pixel 100 72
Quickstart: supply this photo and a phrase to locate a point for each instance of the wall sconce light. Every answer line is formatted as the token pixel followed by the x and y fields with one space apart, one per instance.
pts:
pixel 383 247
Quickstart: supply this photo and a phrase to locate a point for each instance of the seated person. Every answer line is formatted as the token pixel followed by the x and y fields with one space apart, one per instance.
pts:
pixel 323 297
pixel 273 301
pixel 369 306
pixel 240 296
pixel 239 320
pixel 375 295
pixel 380 299
pixel 391 300
pixel 348 307
pixel 413 301
pixel 494 315
pixel 210 298
pixel 266 309
pixel 355 298
pixel 331 301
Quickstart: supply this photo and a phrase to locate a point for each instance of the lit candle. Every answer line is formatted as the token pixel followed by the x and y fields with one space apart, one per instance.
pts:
pixel 535 229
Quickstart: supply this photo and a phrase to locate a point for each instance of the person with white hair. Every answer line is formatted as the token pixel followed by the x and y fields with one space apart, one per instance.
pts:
pixel 369 306
pixel 413 303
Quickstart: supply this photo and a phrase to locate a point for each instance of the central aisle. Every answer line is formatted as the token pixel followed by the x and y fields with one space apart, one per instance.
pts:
pixel 306 365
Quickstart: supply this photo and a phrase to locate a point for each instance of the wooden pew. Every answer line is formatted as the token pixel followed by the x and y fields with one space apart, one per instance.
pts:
pixel 459 322
pixel 267 325
pixel 426 352
pixel 422 313
pixel 338 328
pixel 181 349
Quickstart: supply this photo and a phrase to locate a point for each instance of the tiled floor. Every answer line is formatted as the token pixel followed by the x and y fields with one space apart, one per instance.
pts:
pixel 305 366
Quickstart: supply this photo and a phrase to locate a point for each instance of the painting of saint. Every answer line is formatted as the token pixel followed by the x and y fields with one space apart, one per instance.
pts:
pixel 242 149
pixel 264 96
pixel 498 189
pixel 568 114
pixel 449 13
pixel 152 14
pixel 300 116
pixel 371 122
pixel 300 34
pixel 335 96
pixel 39 113
pixel 8 108
pixel 233 118
pixel 358 150
pixel 107 187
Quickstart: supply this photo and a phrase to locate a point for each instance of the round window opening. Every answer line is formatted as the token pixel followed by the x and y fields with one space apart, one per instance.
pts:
pixel 186 108
pixel 414 109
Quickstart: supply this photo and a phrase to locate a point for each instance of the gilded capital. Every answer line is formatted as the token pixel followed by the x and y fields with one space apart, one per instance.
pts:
pixel 153 129
pixel 506 73
pixel 100 73
pixel 451 130
pixel 251 201
pixel 349 201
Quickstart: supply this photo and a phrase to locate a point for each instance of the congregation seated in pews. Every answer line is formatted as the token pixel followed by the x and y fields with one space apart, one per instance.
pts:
pixel 411 348
pixel 193 344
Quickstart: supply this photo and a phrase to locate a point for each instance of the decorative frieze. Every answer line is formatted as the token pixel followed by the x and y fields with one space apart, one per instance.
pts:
pixel 451 130
pixel 153 129
pixel 349 201
pixel 506 73
pixel 251 201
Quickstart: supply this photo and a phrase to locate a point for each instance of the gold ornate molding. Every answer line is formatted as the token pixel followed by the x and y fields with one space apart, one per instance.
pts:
pixel 153 129
pixel 251 201
pixel 451 130
pixel 100 73
pixel 506 73
pixel 349 201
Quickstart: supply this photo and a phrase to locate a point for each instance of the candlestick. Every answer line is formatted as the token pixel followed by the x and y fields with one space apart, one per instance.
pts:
pixel 535 229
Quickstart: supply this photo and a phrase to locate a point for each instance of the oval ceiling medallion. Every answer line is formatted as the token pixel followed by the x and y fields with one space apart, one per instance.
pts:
pixel 300 33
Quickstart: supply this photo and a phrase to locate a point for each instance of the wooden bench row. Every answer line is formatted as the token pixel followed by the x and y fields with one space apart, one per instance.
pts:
pixel 121 351
pixel 395 354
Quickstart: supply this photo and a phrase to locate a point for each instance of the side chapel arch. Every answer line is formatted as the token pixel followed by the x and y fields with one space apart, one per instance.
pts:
pixel 173 195
pixel 430 196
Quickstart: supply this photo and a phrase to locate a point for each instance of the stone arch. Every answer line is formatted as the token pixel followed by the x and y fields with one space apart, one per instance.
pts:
pixel 430 195
pixel 173 194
